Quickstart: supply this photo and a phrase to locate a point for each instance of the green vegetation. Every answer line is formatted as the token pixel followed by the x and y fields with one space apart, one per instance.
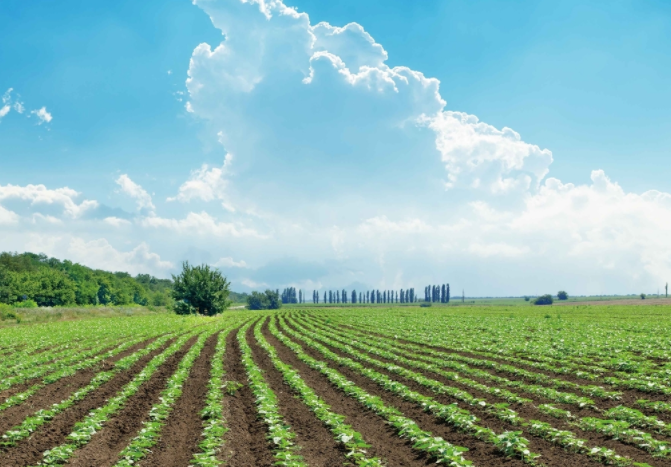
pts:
pixel 200 290
pixel 268 300
pixel 544 300
pixel 28 280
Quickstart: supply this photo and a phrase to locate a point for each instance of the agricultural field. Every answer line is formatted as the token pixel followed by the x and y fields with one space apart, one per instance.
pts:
pixel 397 386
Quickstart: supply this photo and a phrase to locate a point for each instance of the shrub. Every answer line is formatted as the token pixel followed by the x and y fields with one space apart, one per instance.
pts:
pixel 6 312
pixel 26 304
pixel 267 300
pixel 425 305
pixel 199 289
pixel 526 299
pixel 544 300
pixel 561 295
pixel 642 296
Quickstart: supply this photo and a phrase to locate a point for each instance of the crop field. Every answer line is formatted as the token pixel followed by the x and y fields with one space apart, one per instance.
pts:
pixel 398 386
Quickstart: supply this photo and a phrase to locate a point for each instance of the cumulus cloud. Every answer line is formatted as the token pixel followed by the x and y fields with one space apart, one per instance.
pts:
pixel 200 224
pixel 116 221
pixel 207 184
pixel 142 198
pixel 39 196
pixel 42 115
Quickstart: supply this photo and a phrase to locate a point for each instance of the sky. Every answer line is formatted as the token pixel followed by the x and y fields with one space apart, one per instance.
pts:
pixel 506 148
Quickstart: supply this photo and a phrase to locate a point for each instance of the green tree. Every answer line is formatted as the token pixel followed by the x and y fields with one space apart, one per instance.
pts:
pixel 269 300
pixel 544 300
pixel 561 295
pixel 199 289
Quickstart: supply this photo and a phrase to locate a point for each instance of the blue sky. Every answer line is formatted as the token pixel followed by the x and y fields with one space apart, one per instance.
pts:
pixel 506 148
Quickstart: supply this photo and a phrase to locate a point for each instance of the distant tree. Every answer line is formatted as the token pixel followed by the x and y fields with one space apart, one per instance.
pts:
pixel 344 296
pixel 526 299
pixel 269 300
pixel 199 289
pixel 544 300
pixel 442 293
pixel 354 297
pixel 448 293
pixel 642 296
pixel 325 297
pixel 561 295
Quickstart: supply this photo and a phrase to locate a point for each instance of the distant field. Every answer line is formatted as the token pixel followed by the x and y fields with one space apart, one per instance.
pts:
pixel 570 385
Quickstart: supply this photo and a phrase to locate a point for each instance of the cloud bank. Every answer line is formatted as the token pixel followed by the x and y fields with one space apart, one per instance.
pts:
pixel 351 172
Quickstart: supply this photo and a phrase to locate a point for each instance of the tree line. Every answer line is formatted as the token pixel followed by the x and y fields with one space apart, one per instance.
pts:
pixel 437 293
pixel 30 279
pixel 370 296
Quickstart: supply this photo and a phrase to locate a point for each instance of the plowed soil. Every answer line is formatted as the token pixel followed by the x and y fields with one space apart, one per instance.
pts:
pixel 317 445
pixel 182 432
pixel 29 451
pixel 245 442
pixel 104 448
pixel 60 390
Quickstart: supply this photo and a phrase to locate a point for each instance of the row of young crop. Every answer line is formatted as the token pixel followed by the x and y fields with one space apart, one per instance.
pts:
pixel 651 383
pixel 568 440
pixel 534 355
pixel 424 442
pixel 509 443
pixel 213 421
pixel 593 342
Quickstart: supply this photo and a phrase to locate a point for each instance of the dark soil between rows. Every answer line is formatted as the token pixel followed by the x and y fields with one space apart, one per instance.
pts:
pixel 528 412
pixel 54 433
pixel 385 442
pixel 317 445
pixel 60 390
pixel 182 432
pixel 629 396
pixel 479 453
pixel 245 443
pixel 104 448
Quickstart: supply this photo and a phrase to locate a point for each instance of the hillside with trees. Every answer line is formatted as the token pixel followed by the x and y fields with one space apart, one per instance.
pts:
pixel 29 277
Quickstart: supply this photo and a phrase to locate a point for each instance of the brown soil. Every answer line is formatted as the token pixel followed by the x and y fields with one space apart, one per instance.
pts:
pixel 245 443
pixel 29 451
pixel 548 451
pixel 60 390
pixel 105 446
pixel 526 411
pixel 384 441
pixel 182 432
pixel 479 453
pixel 317 445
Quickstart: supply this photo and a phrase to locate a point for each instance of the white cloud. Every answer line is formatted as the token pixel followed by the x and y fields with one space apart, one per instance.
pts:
pixel 43 115
pixel 135 191
pixel 497 159
pixel 4 110
pixel 40 195
pixel 228 262
pixel 116 222
pixel 201 224
pixel 207 184
pixel 8 217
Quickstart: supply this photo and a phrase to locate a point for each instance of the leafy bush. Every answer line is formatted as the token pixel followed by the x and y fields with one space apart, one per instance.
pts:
pixel 267 300
pixel 561 295
pixel 544 300
pixel 199 289
pixel 6 312
pixel 425 305
pixel 26 304
pixel 526 299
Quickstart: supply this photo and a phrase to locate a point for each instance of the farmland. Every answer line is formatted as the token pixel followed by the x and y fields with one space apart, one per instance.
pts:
pixel 396 386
